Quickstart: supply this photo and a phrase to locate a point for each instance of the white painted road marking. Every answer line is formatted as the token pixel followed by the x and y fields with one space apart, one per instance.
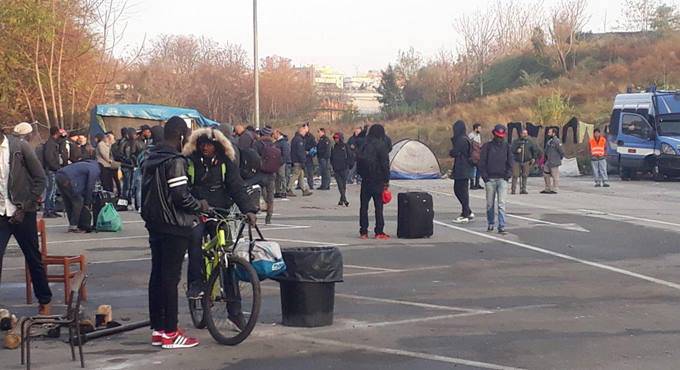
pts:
pixel 650 279
pixel 590 212
pixel 409 303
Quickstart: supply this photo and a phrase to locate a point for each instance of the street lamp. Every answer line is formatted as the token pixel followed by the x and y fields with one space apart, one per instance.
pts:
pixel 256 67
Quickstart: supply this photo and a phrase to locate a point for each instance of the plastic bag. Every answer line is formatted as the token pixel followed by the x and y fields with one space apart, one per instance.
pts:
pixel 109 219
pixel 264 256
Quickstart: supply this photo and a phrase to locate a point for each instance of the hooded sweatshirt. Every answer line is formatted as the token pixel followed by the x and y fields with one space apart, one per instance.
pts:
pixel 460 152
pixel 496 160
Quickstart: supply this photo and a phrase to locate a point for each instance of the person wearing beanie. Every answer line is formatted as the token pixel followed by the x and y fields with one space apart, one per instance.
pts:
pixel 23 130
pixel 271 157
pixel 341 161
pixel 373 165
pixel 495 166
pixel 462 170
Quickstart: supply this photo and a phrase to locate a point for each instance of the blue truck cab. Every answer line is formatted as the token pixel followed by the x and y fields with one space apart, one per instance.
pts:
pixel 644 134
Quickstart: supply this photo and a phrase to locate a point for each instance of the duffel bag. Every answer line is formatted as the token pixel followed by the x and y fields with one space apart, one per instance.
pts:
pixel 265 256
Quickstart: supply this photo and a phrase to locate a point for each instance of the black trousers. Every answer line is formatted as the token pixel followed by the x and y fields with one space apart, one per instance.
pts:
pixel 106 178
pixel 73 202
pixel 461 190
pixel 514 126
pixel 167 254
pixel 309 172
pixel 371 191
pixel 26 234
pixel 341 179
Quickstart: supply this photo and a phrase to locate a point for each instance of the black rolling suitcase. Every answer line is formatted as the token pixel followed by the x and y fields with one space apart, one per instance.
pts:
pixel 415 217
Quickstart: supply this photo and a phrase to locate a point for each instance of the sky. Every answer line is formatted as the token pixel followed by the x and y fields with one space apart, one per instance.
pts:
pixel 350 35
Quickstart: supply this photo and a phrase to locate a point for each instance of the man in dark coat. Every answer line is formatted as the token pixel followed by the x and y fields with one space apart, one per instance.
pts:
pixel 462 169
pixel 341 161
pixel 323 153
pixel 495 166
pixel 374 167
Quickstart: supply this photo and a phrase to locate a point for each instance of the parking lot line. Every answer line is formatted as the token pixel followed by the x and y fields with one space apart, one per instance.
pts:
pixel 371 268
pixel 427 268
pixel 409 303
pixel 594 213
pixel 602 266
pixel 399 352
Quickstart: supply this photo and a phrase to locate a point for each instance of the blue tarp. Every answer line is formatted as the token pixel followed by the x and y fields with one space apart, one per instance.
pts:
pixel 144 111
pixel 397 175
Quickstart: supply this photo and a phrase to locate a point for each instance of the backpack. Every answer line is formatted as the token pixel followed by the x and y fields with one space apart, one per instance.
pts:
pixel 271 158
pixel 475 152
pixel 249 163
pixel 367 165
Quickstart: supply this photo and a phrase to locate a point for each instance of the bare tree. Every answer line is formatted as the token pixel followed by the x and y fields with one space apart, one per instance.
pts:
pixel 639 14
pixel 566 22
pixel 408 64
pixel 479 41
pixel 515 21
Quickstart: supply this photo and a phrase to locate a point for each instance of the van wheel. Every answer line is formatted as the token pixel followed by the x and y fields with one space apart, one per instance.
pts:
pixel 624 173
pixel 657 175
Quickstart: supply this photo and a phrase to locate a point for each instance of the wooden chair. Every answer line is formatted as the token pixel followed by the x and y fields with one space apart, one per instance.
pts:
pixel 66 262
pixel 71 320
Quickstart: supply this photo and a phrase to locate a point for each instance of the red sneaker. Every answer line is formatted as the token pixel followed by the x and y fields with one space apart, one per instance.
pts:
pixel 157 338
pixel 363 236
pixel 382 236
pixel 178 340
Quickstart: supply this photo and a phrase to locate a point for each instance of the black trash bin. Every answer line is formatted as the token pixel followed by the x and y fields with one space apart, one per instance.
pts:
pixel 308 285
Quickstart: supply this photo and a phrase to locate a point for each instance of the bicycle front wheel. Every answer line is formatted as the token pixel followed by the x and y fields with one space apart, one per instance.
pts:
pixel 232 302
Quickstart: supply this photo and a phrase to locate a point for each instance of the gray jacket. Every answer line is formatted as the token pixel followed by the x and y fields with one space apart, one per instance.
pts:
pixel 553 153
pixel 26 175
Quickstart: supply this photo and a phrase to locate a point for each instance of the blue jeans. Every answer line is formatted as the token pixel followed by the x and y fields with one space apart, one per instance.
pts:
pixel 600 170
pixel 137 187
pixel 496 192
pixel 325 170
pixel 50 191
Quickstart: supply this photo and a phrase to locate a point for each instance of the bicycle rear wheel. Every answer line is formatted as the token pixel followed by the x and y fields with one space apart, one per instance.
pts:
pixel 232 305
pixel 197 312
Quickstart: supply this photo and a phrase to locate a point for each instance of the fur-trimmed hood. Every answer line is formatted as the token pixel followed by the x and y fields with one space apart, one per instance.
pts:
pixel 192 144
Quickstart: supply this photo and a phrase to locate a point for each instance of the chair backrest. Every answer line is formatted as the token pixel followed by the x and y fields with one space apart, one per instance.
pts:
pixel 42 234
pixel 77 285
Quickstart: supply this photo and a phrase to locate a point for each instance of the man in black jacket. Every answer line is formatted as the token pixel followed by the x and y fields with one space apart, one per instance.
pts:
pixel 170 213
pixel 298 157
pixel 22 182
pixel 462 169
pixel 354 143
pixel 373 165
pixel 310 151
pixel 525 154
pixel 323 153
pixel 283 174
pixel 213 176
pixel 495 166
pixel 341 160
pixel 51 153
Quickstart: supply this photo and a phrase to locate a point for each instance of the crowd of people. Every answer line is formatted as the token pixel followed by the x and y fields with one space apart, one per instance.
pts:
pixel 497 161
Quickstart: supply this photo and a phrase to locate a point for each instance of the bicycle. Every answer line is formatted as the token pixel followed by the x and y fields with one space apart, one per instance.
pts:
pixel 230 306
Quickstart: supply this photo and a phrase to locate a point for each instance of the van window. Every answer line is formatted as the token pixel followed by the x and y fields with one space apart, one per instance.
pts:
pixel 635 125
pixel 614 122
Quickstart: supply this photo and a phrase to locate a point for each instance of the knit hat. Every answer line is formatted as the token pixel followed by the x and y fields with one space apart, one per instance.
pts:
pixel 24 128
pixel 266 131
pixel 338 135
pixel 499 131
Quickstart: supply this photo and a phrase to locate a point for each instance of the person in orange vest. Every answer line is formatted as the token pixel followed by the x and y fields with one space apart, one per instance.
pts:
pixel 598 158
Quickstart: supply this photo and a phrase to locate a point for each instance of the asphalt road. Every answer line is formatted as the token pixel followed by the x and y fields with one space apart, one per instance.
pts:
pixel 586 279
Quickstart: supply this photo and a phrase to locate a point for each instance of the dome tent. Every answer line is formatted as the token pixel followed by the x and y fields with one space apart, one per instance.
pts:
pixel 413 160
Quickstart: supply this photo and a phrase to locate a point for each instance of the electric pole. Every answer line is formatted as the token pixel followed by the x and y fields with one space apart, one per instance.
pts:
pixel 256 67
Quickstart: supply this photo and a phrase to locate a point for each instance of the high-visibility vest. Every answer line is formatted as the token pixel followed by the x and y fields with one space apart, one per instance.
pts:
pixel 191 171
pixel 597 148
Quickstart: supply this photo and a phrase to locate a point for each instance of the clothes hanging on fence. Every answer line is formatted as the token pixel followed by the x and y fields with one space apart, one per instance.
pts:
pixel 573 125
pixel 583 130
pixel 514 126
pixel 533 129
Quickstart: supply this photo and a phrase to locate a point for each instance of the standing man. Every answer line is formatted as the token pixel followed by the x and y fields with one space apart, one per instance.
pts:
pixel 495 166
pixel 462 167
pixel 271 162
pixel 525 154
pixel 50 158
pixel 310 151
pixel 354 143
pixel 475 137
pixel 171 214
pixel 283 174
pixel 246 138
pixel 341 160
pixel 323 152
pixel 22 182
pixel 598 158
pixel 553 160
pixel 146 135
pixel 298 158
pixel 76 185
pixel 105 160
pixel 373 165
pixel 73 148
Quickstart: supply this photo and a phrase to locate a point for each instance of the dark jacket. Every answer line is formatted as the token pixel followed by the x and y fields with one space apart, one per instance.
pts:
pixel 51 154
pixel 27 180
pixel 246 140
pixel 323 148
pixel 524 150
pixel 462 168
pixel 284 147
pixel 297 149
pixel 496 160
pixel 356 142
pixel 131 151
pixel 83 176
pixel 167 205
pixel 554 153
pixel 73 150
pixel 374 157
pixel 310 142
pixel 220 190
pixel 341 157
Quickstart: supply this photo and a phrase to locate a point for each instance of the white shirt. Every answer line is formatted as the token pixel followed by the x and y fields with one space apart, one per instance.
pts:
pixel 476 137
pixel 6 207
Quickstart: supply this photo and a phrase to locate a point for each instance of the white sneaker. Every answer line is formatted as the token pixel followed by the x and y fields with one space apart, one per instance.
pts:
pixel 471 216
pixel 461 220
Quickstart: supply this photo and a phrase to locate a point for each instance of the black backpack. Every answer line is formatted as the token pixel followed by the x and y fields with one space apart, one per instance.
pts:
pixel 249 163
pixel 117 150
pixel 367 159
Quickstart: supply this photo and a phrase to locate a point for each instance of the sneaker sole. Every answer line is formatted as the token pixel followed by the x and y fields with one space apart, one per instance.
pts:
pixel 156 344
pixel 178 346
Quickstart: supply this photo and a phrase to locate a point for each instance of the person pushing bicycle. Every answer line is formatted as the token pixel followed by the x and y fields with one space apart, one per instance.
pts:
pixel 213 176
